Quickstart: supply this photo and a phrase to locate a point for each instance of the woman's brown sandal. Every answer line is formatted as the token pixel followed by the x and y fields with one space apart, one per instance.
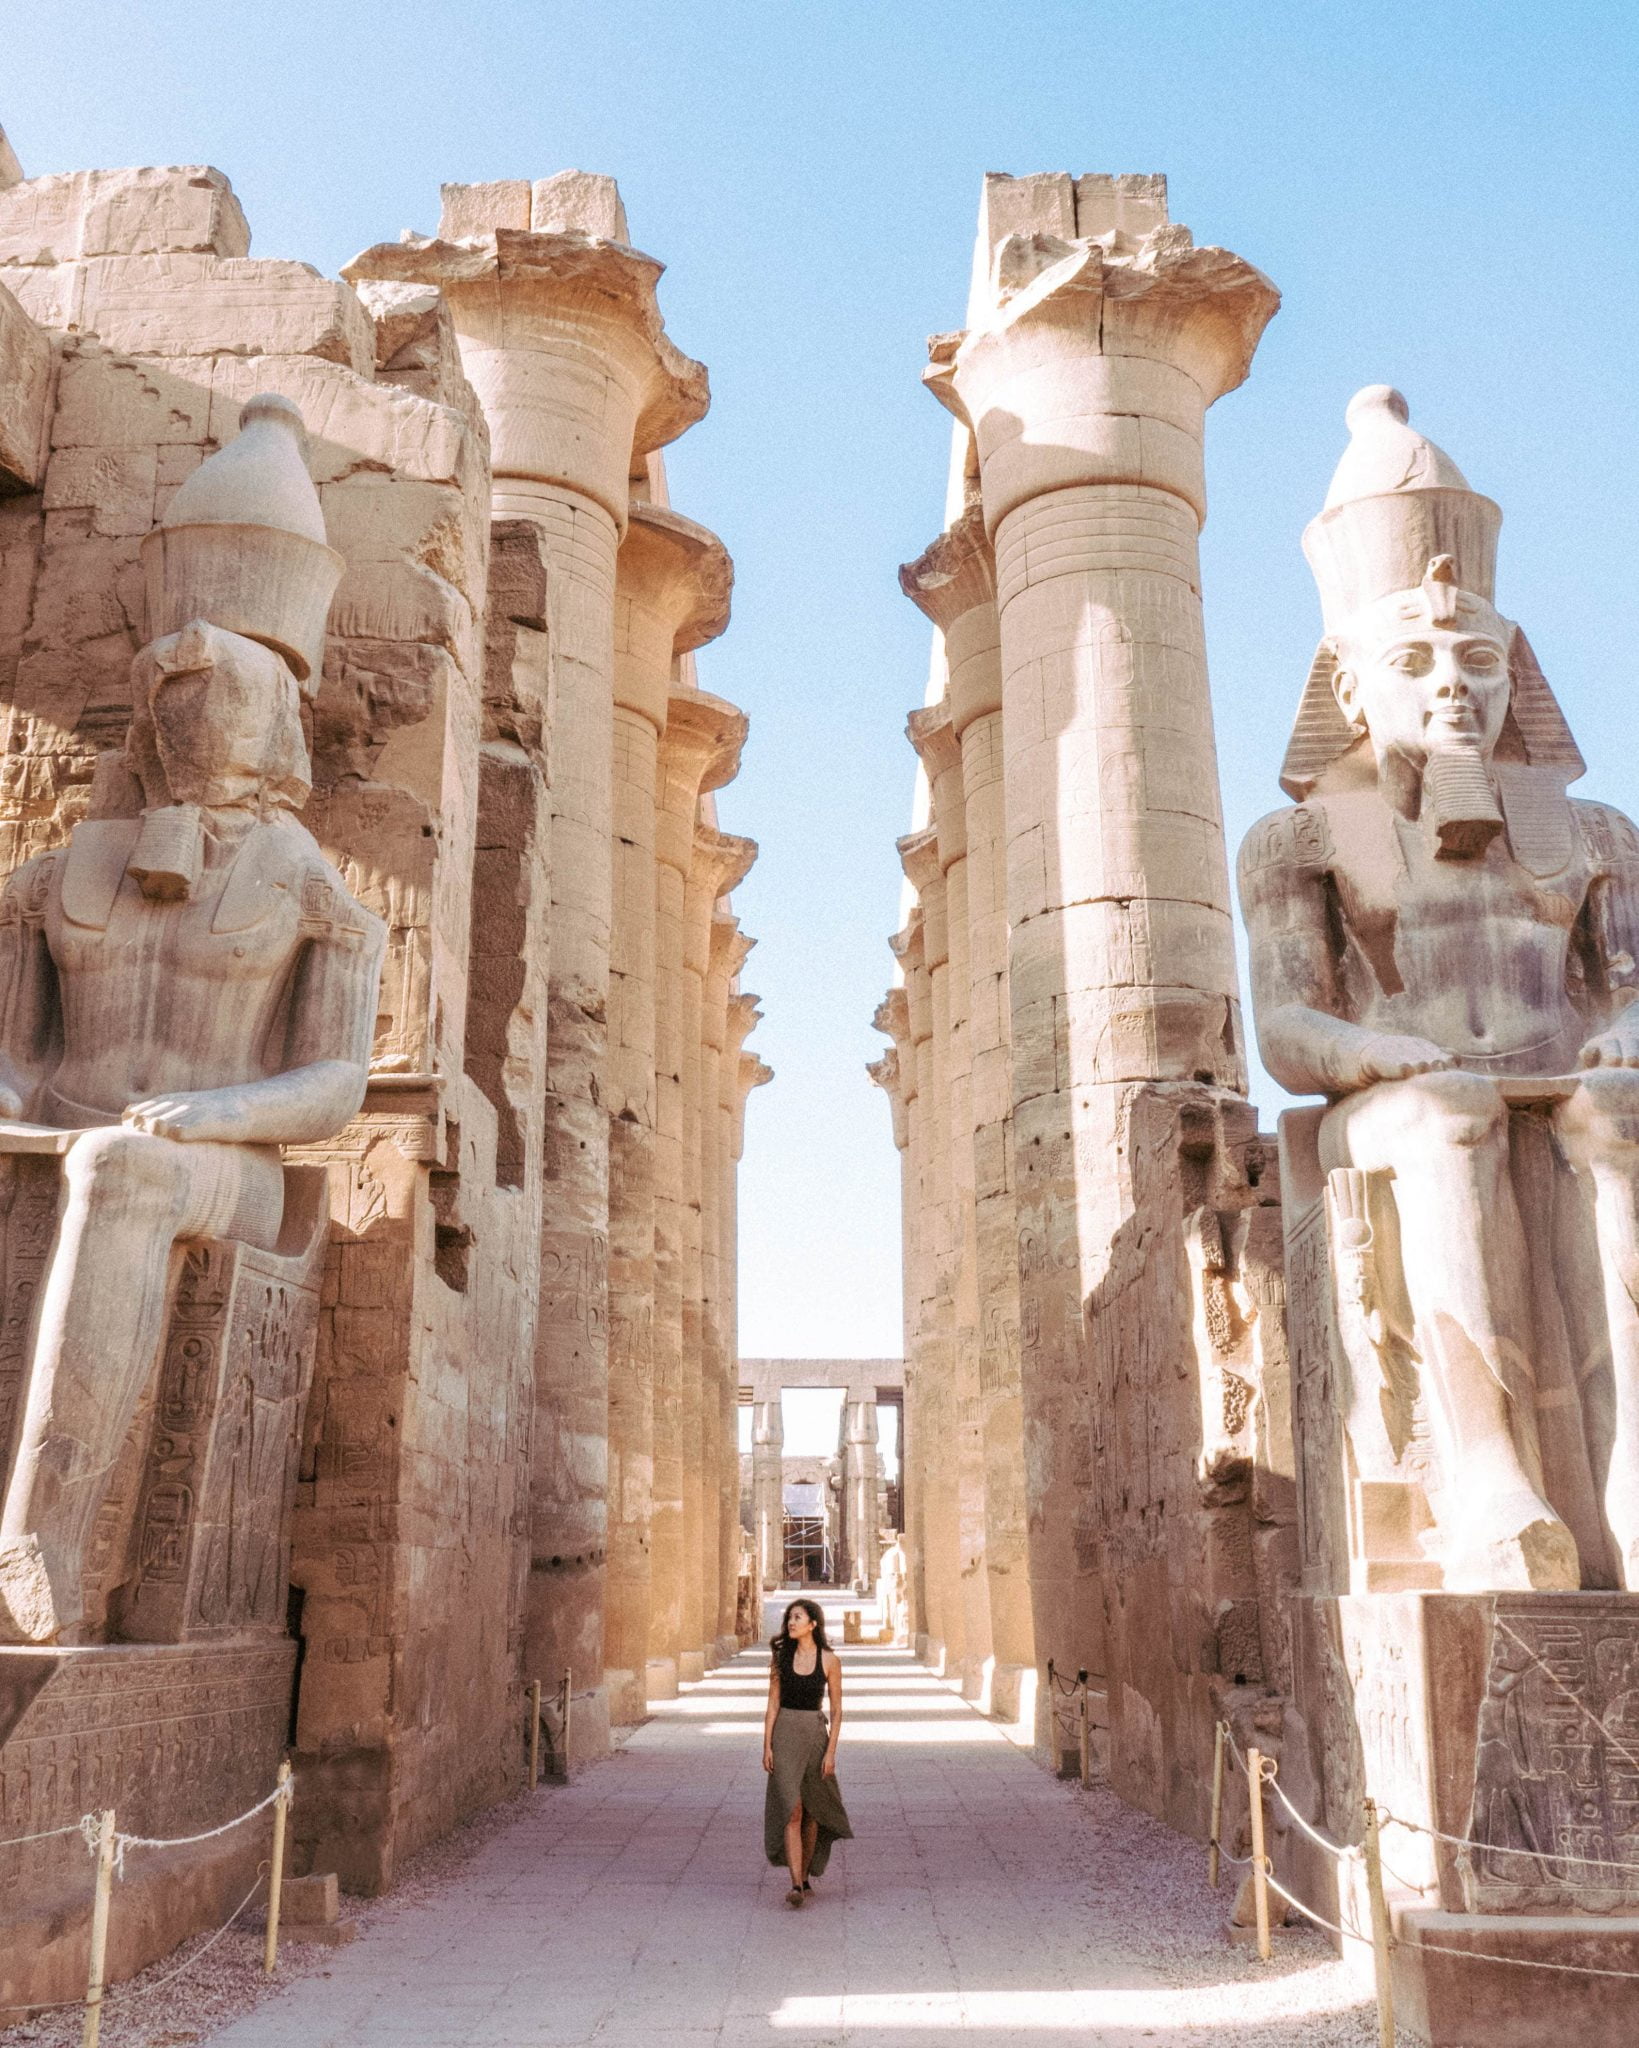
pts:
pixel 794 1896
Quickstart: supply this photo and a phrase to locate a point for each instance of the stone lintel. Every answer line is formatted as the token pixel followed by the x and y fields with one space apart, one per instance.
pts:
pixel 954 574
pixel 678 569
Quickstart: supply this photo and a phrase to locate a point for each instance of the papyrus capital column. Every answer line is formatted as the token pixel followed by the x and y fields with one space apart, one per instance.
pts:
pixel 953 583
pixel 895 1075
pixel 672 587
pixel 562 340
pixel 1098 336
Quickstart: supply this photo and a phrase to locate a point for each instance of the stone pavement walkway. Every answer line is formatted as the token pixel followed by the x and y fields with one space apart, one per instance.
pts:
pixel 980 1898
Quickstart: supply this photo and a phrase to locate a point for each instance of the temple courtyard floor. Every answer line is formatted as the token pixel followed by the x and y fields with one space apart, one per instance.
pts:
pixel 633 1909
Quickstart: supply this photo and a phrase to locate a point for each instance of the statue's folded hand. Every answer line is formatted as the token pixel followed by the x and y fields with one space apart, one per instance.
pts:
pixel 1617 1047
pixel 214 1113
pixel 1393 1056
pixel 11 1103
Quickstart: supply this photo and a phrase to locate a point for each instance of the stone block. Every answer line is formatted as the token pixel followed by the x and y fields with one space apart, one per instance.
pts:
pixel 151 210
pixel 171 304
pixel 25 396
pixel 313 1901
pixel 481 209
pixel 578 200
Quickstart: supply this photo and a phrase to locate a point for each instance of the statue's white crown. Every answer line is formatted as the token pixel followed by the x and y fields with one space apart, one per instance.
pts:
pixel 242 544
pixel 1396 502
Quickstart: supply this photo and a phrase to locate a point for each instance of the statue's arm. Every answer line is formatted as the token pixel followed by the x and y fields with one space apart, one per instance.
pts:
pixel 332 1014
pixel 1305 1044
pixel 29 1011
pixel 1609 935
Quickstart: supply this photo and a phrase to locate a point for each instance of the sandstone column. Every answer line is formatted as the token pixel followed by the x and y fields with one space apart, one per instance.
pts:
pixel 925 960
pixel 895 1074
pixel 671 596
pixel 767 1491
pixel 1085 375
pixel 953 583
pixel 740 1072
pixel 563 343
pixel 934 738
pixel 700 751
pixel 859 1491
pixel 720 862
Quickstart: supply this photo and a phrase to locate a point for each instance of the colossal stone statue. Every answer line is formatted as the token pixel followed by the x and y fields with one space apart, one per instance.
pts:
pixel 184 987
pixel 1444 945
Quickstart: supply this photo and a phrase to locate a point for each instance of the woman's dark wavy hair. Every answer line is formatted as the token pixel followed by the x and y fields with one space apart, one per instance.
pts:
pixel 782 1645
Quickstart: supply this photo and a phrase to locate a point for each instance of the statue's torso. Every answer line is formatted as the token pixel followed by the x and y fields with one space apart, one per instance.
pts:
pixel 163 997
pixel 1474 954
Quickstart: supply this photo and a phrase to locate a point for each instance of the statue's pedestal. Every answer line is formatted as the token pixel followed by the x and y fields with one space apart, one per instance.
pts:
pixel 177 1738
pixel 1508 1722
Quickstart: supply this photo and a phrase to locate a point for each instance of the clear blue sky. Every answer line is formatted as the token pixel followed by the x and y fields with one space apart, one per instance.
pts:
pixel 1444 193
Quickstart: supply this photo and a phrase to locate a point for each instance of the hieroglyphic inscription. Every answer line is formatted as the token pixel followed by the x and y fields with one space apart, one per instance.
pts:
pixel 1556 1758
pixel 1316 1423
pixel 179 1739
pixel 28 1222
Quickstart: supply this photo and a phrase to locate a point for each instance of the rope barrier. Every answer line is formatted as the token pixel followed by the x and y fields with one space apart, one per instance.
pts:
pixel 128 1995
pixel 74 1827
pixel 123 1842
pixel 1417 1827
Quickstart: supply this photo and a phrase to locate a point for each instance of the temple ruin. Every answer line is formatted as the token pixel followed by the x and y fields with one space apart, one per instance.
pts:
pixel 446 1403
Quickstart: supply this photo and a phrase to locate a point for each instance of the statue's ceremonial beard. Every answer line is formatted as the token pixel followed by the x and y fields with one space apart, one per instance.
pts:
pixel 1458 800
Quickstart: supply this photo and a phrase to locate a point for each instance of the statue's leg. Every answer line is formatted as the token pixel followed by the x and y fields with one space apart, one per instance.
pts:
pixel 1600 1129
pixel 128 1198
pixel 1444 1137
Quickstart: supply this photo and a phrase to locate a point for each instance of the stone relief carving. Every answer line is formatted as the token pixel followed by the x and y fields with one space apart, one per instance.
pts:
pixel 1443 945
pixel 185 986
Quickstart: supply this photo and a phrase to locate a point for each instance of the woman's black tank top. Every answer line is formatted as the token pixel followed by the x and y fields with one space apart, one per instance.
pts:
pixel 805 1694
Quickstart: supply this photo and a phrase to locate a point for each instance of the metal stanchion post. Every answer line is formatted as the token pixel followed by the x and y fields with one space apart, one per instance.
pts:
pixel 276 1871
pixel 1260 1865
pixel 534 1732
pixel 1218 1735
pixel 1381 1938
pixel 1085 1733
pixel 99 1929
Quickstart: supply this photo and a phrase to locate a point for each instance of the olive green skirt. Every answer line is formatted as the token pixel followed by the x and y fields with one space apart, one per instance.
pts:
pixel 799 1750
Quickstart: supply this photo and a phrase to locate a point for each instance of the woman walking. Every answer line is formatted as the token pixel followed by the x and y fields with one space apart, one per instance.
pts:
pixel 803 1812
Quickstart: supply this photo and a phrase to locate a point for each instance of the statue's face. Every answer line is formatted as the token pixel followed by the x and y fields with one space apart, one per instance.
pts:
pixel 1422 686
pixel 220 715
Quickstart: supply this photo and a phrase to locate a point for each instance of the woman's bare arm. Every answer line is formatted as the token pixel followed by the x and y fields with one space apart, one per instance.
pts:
pixel 833 1685
pixel 772 1709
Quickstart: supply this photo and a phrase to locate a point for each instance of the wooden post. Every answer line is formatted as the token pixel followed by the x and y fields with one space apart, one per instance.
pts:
pixel 99 1929
pixel 1260 1863
pixel 276 1871
pixel 1381 1938
pixel 534 1732
pixel 1085 1733
pixel 1218 1735
pixel 563 1721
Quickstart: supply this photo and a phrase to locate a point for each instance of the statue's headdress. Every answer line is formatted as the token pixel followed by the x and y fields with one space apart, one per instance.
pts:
pixel 1400 516
pixel 242 544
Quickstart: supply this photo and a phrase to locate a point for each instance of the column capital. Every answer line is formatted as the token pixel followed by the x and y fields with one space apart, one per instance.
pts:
pixel 563 342
pixel 730 948
pixel 707 734
pixel 742 1017
pixel 679 570
pixel 672 584
pixel 1075 340
pixel 885 1072
pixel 954 573
pixel 932 732
pixel 919 857
pixel 722 860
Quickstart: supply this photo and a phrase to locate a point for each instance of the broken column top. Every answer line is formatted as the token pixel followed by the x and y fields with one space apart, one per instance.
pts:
pixel 568 202
pixel 1126 205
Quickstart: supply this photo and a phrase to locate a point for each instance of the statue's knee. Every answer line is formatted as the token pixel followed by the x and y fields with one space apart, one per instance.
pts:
pixel 122 1166
pixel 1453 1108
pixel 1606 1105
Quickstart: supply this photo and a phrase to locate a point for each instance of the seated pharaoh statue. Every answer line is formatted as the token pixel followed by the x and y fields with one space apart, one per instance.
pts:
pixel 185 986
pixel 1444 946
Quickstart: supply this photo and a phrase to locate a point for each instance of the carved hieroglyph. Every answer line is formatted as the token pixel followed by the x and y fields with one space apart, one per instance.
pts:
pixel 1443 945
pixel 184 987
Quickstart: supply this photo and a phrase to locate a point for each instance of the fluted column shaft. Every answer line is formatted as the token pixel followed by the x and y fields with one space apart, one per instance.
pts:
pixel 767 1491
